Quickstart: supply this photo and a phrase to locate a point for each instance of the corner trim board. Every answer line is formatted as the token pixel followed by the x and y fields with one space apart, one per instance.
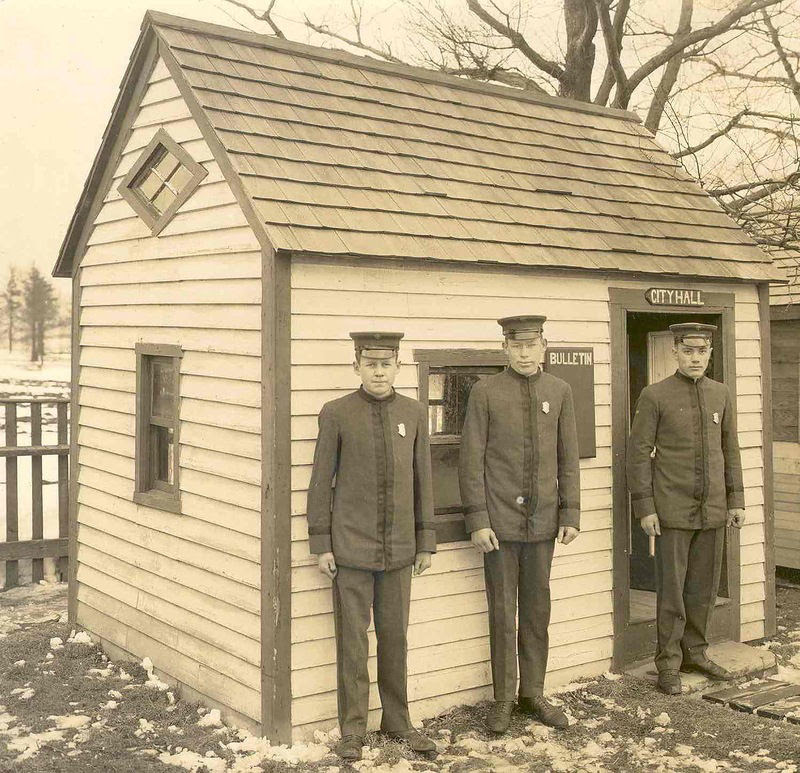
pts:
pixel 276 539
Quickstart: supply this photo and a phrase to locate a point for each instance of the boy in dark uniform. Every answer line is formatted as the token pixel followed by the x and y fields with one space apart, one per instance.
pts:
pixel 369 531
pixel 520 489
pixel 685 479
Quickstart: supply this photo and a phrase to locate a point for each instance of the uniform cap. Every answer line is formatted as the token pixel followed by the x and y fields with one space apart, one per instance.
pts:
pixel 692 330
pixel 376 340
pixel 522 326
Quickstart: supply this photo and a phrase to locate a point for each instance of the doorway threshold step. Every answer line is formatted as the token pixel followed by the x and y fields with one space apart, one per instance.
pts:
pixel 741 659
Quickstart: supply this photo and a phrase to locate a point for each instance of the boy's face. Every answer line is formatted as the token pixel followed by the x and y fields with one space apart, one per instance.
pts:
pixel 378 370
pixel 525 354
pixel 692 356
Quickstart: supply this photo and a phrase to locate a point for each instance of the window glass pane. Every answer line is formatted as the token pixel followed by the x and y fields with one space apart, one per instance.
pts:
pixel 163 398
pixel 149 186
pixel 435 386
pixel 161 454
pixel 444 460
pixel 164 198
pixel 447 418
pixel 166 165
pixel 180 178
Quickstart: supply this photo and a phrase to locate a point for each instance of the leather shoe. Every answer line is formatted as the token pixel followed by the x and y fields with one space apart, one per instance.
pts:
pixel 548 714
pixel 349 747
pixel 709 668
pixel 499 717
pixel 416 740
pixel 669 681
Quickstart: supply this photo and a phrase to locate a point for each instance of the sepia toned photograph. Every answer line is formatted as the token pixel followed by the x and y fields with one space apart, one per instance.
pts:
pixel 400 385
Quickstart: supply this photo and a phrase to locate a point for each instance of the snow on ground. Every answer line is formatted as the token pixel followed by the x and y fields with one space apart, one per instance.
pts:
pixel 30 605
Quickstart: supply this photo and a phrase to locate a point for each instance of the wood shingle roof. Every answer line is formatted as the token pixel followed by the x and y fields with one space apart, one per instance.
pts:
pixel 340 154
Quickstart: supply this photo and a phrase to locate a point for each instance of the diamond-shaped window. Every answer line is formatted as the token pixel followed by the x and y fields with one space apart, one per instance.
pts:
pixel 160 181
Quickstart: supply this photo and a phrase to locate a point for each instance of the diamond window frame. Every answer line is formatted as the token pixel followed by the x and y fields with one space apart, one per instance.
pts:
pixel 142 205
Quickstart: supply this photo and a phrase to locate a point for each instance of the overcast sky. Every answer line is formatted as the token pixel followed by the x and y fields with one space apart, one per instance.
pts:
pixel 62 63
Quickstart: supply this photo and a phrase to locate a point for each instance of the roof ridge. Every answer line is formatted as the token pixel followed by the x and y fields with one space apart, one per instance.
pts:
pixel 340 56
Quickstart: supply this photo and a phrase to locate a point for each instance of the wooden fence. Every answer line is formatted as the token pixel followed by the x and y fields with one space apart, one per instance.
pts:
pixel 37 548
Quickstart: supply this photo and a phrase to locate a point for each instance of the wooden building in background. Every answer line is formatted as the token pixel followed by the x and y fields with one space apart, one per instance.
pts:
pixel 252 202
pixel 785 314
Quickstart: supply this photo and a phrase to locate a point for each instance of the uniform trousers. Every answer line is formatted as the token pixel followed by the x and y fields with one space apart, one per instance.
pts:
pixel 388 595
pixel 518 578
pixel 688 563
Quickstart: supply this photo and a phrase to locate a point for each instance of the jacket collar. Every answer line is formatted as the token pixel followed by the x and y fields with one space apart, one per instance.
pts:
pixel 370 399
pixel 687 379
pixel 530 379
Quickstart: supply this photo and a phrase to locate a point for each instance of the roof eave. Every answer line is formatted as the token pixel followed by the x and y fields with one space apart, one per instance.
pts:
pixel 70 246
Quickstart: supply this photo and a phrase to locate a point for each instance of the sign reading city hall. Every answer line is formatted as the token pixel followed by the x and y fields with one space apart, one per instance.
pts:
pixel 576 367
pixel 674 296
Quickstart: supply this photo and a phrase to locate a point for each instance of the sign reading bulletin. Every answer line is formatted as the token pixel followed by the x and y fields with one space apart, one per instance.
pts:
pixel 576 367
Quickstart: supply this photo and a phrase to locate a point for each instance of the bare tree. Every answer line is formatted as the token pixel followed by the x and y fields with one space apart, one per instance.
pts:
pixel 12 298
pixel 39 311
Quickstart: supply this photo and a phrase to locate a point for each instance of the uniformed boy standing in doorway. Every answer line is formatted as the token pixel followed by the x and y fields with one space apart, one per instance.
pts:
pixel 685 479
pixel 369 530
pixel 520 489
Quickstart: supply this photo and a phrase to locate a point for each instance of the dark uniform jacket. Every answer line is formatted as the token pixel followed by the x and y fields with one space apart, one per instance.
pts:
pixel 379 514
pixel 519 469
pixel 695 474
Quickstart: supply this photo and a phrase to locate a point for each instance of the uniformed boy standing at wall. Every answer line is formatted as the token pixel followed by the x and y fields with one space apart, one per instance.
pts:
pixel 520 489
pixel 369 531
pixel 685 479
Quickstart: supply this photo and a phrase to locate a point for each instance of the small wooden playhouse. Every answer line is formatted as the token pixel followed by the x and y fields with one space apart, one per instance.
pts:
pixel 254 200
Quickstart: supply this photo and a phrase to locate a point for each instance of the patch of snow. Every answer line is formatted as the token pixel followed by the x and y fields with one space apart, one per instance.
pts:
pixel 212 719
pixel 80 638
pixel 109 705
pixel 193 761
pixel 23 693
pixel 49 656
pixel 70 721
pixel 257 750
pixel 593 749
pixel 124 675
pixel 28 746
pixel 99 672
pixel 611 677
pixel 662 719
pixel 56 643
pixel 19 663
pixel 171 698
pixel 794 634
pixel 605 738
pixel 145 728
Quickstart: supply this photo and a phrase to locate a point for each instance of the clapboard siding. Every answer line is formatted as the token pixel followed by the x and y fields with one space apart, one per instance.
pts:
pixel 448 647
pixel 184 588
pixel 787 504
pixel 447 631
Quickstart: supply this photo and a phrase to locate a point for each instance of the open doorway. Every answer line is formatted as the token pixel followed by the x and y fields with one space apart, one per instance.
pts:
pixel 642 355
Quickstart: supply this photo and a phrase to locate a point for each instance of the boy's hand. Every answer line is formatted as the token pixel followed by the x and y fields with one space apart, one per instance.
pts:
pixel 422 561
pixel 485 540
pixel 736 518
pixel 566 534
pixel 327 565
pixel 650 525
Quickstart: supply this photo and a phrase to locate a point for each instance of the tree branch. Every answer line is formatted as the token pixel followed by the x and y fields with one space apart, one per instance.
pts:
pixel 670 74
pixel 356 42
pixel 791 76
pixel 714 136
pixel 265 16
pixel 612 45
pixel 515 37
pixel 744 8
pixel 620 15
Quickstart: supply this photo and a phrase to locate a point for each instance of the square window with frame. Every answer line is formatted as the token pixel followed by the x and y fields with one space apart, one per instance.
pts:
pixel 161 180
pixel 157 426
pixel 446 377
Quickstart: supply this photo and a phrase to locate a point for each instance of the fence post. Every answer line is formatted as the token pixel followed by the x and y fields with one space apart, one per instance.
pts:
pixel 12 525
pixel 63 485
pixel 37 526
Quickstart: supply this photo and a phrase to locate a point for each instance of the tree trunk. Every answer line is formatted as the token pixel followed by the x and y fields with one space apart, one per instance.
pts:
pixel 580 17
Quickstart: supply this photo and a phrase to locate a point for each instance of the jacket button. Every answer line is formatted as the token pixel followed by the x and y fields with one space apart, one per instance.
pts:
pixel 520 500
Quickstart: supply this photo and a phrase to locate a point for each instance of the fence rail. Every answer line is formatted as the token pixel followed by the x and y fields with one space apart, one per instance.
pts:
pixel 37 548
